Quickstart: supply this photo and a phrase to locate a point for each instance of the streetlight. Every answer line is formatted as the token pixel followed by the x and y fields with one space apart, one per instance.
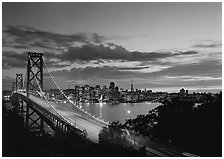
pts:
pixel 132 125
pixel 75 119
pixel 105 113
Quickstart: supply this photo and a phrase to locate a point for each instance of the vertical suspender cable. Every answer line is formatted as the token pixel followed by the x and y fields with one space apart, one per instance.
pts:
pixel 51 104
pixel 105 122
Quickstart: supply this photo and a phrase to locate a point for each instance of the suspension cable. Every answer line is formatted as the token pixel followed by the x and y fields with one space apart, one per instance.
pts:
pixel 101 120
pixel 52 105
pixel 24 83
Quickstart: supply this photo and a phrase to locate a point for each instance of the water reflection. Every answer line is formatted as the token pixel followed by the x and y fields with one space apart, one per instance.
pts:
pixel 119 112
pixel 101 110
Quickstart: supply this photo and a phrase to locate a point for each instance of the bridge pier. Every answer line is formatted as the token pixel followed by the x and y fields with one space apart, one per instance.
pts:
pixel 18 104
pixel 27 114
pixel 33 120
pixel 36 116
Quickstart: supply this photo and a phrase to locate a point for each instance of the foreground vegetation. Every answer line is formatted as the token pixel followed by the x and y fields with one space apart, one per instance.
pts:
pixel 114 139
pixel 19 142
pixel 196 129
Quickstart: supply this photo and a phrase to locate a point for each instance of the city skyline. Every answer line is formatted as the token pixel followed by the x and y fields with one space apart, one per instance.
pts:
pixel 155 45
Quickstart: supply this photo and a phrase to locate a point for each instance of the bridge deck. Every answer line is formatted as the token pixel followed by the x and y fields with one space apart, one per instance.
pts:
pixel 76 118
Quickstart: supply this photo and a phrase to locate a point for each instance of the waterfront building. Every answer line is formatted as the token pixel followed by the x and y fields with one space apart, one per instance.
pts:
pixel 112 86
pixel 182 92
pixel 132 95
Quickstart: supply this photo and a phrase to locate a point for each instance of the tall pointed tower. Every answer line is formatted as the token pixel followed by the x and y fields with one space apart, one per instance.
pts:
pixel 132 87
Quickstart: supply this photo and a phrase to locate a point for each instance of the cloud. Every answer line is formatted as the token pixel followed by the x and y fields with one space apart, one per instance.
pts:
pixel 193 78
pixel 208 44
pixel 11 59
pixel 206 68
pixel 113 52
pixel 7 83
pixel 87 57
pixel 56 64
pixel 192 52
pixel 133 68
pixel 77 47
pixel 104 72
pixel 25 36
pixel 202 74
pixel 209 67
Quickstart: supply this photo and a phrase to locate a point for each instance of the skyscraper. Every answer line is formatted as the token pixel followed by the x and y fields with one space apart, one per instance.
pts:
pixel 112 86
pixel 182 92
pixel 132 87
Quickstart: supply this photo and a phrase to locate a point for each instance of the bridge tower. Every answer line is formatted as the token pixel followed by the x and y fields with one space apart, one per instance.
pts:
pixel 19 81
pixel 18 84
pixel 34 72
pixel 34 78
pixel 13 86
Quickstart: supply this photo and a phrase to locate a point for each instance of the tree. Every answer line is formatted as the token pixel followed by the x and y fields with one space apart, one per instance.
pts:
pixel 113 142
pixel 196 129
pixel 113 134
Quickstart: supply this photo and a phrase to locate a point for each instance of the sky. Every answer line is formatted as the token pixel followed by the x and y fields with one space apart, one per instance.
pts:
pixel 159 46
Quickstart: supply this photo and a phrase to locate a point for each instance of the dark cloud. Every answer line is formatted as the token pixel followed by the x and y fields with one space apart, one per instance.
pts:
pixel 209 68
pixel 56 64
pixel 92 47
pixel 102 52
pixel 133 68
pixel 93 52
pixel 12 44
pixel 104 72
pixel 97 38
pixel 42 45
pixel 20 47
pixel 114 52
pixel 188 53
pixel 11 59
pixel 27 36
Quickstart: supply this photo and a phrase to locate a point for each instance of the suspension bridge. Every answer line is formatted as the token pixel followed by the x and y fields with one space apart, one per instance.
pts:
pixel 30 100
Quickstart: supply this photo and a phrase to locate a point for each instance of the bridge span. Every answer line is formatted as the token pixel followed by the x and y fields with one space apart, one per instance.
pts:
pixel 39 109
pixel 76 119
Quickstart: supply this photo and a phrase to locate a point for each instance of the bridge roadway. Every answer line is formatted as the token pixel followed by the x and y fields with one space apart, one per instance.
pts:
pixel 77 118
